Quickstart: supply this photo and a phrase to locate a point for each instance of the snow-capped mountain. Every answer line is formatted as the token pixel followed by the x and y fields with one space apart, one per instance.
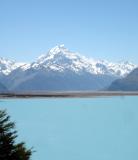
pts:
pixel 128 83
pixel 7 66
pixel 61 59
pixel 61 69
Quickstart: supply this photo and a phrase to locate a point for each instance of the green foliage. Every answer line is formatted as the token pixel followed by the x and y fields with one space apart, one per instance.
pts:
pixel 9 149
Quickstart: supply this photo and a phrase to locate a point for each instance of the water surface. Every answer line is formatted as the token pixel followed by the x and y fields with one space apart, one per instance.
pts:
pixel 77 128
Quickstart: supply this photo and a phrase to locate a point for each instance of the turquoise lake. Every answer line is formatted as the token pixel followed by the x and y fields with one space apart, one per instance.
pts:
pixel 77 128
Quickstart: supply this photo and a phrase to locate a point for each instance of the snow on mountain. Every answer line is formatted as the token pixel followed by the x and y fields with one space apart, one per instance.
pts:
pixel 7 66
pixel 61 69
pixel 122 68
pixel 61 59
pixel 128 83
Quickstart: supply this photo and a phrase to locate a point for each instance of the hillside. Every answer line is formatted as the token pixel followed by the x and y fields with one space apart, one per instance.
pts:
pixel 129 83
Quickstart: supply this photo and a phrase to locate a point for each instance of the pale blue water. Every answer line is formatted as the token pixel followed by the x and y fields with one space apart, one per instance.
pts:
pixel 77 129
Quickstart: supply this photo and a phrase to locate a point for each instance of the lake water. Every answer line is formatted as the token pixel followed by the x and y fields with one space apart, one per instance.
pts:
pixel 77 128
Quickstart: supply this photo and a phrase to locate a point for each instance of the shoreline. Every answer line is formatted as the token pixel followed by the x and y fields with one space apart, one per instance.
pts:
pixel 67 94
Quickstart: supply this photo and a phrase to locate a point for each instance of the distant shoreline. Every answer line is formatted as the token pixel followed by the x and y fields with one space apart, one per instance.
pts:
pixel 67 94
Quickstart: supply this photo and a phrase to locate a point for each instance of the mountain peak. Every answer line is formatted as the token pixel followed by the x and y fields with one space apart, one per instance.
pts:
pixel 58 49
pixel 55 50
pixel 58 52
pixel 61 59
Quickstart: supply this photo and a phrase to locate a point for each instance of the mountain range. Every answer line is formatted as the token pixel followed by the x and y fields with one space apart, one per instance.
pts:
pixel 128 83
pixel 61 70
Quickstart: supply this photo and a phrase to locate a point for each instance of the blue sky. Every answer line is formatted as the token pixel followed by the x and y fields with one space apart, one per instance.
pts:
pixel 102 29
